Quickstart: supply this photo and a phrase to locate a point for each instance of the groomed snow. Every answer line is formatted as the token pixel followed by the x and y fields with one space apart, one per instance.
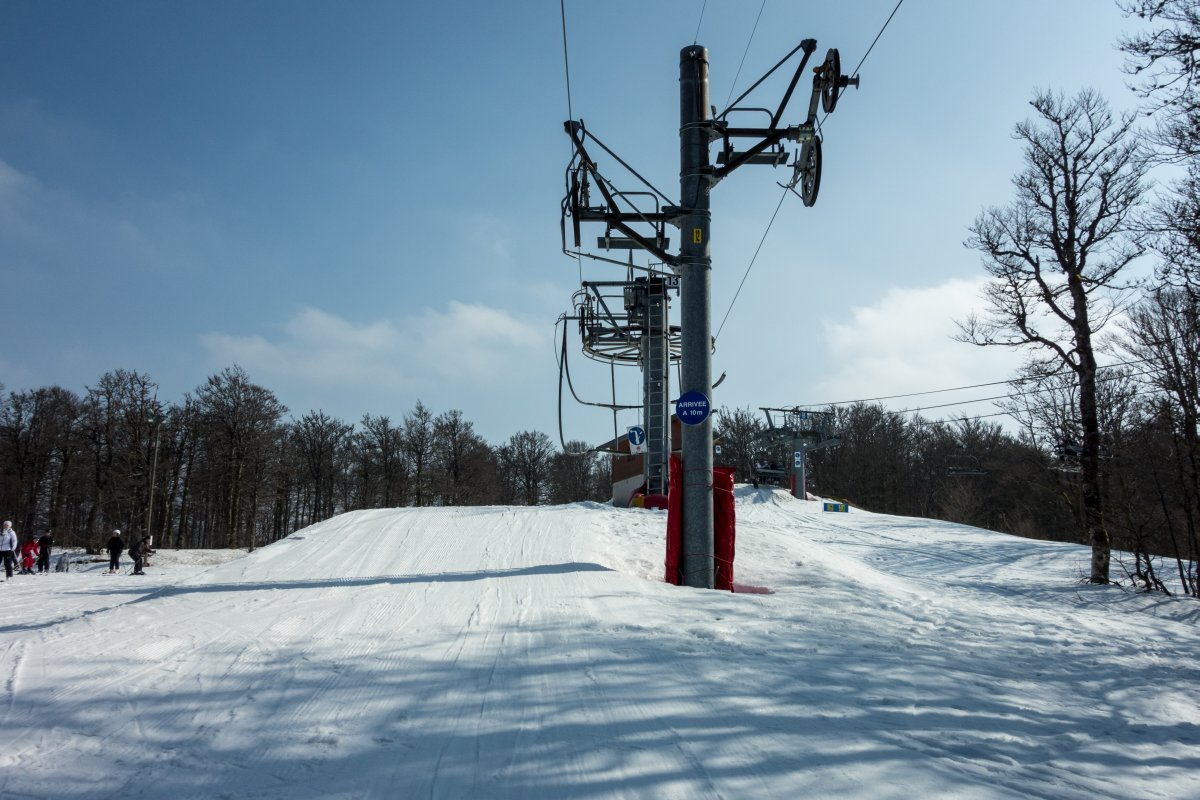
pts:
pixel 536 653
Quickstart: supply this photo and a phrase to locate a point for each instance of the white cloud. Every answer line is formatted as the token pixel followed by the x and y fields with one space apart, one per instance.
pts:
pixel 904 343
pixel 464 345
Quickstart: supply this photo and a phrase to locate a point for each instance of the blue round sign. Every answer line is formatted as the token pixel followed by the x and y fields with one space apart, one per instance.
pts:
pixel 692 408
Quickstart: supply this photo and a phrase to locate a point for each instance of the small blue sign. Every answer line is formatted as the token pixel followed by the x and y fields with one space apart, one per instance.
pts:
pixel 637 435
pixel 692 408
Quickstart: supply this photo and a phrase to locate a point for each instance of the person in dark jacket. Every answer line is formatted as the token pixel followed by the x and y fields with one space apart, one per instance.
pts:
pixel 135 552
pixel 44 545
pixel 115 547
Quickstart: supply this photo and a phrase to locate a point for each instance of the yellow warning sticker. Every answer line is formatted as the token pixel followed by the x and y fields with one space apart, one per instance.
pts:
pixel 697 236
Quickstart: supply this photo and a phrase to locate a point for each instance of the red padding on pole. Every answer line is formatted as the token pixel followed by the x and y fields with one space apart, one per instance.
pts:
pixel 674 520
pixel 724 525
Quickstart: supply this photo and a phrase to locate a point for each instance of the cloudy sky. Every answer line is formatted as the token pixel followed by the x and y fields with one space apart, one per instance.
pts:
pixel 359 203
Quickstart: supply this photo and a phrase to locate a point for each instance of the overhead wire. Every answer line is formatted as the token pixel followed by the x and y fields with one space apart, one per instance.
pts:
pixel 699 23
pixel 876 39
pixel 745 53
pixel 1012 395
pixel 750 266
pixel 964 388
pixel 1008 396
pixel 562 5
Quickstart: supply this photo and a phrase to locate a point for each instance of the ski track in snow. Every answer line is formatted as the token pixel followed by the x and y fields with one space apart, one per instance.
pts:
pixel 535 652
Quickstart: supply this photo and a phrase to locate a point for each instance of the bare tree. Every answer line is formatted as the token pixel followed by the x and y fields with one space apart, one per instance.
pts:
pixel 575 474
pixel 737 430
pixel 37 444
pixel 1166 63
pixel 240 420
pixel 1057 255
pixel 1164 334
pixel 873 465
pixel 317 437
pixel 418 446
pixel 381 445
pixel 526 461
pixel 462 460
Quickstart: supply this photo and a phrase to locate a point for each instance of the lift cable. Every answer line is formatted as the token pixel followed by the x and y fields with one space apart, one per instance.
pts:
pixel 749 266
pixel 562 5
pixel 876 39
pixel 745 53
pixel 962 388
pixel 1013 395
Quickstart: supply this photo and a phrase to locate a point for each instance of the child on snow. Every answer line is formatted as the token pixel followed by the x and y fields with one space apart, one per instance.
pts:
pixel 29 554
pixel 115 546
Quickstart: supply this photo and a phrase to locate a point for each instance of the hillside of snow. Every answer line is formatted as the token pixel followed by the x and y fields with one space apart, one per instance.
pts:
pixel 536 653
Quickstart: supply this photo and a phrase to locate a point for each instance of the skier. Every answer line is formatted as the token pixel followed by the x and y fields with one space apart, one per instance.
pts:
pixel 135 552
pixel 115 545
pixel 44 545
pixel 8 547
pixel 29 554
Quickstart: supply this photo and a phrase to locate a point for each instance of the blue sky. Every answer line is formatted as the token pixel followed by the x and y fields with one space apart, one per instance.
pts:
pixel 359 203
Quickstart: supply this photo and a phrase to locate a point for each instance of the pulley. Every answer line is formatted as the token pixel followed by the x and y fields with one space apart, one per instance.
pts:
pixel 830 75
pixel 807 174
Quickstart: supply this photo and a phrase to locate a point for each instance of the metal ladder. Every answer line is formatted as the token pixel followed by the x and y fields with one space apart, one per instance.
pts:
pixel 656 386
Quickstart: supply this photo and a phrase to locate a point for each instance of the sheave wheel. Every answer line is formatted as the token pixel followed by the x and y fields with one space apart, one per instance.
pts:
pixel 809 167
pixel 831 72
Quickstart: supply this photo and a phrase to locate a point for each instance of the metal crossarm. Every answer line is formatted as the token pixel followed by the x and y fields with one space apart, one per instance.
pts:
pixel 575 204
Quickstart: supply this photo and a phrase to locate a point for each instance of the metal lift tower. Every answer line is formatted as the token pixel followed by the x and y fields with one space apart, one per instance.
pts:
pixel 699 128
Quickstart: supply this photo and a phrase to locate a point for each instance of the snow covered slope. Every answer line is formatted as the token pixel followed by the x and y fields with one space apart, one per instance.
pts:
pixel 535 652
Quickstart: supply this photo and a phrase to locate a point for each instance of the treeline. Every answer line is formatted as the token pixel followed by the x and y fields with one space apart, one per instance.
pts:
pixel 226 467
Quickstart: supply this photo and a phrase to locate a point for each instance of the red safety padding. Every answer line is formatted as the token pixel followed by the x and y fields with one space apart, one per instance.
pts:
pixel 724 525
pixel 674 520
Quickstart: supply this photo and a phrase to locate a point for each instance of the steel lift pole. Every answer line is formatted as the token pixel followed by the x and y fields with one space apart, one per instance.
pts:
pixel 695 273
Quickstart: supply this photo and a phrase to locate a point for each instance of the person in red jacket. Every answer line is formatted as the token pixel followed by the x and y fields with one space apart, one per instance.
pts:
pixel 29 554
